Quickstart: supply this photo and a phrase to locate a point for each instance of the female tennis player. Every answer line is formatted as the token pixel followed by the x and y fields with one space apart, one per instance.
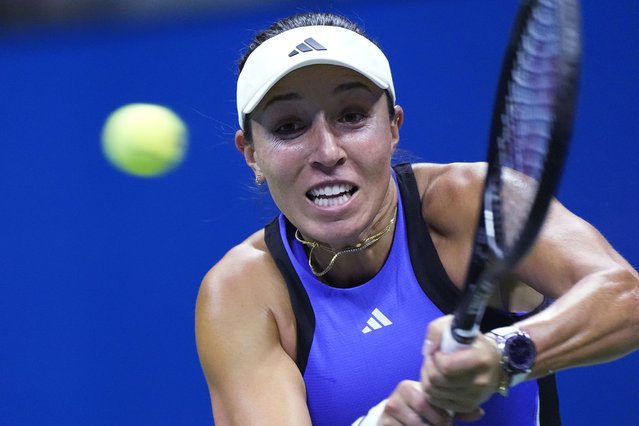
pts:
pixel 320 317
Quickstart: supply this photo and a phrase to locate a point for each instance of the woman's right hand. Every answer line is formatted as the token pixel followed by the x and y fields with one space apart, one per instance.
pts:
pixel 409 405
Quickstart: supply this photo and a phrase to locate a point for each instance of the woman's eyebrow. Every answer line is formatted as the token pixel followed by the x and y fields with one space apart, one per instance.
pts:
pixel 283 97
pixel 350 86
pixel 344 87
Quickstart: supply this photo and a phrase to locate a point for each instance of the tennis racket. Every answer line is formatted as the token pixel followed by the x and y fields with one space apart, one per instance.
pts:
pixel 529 137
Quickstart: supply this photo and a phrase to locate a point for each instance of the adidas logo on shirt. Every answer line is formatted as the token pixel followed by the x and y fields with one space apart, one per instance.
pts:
pixel 308 46
pixel 376 321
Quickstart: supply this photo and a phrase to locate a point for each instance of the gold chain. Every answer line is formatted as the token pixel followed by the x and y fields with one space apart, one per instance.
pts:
pixel 352 249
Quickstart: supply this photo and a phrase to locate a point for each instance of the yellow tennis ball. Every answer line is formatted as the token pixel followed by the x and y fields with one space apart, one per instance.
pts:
pixel 144 139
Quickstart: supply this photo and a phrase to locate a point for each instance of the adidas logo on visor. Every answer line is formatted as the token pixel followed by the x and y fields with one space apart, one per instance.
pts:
pixel 308 46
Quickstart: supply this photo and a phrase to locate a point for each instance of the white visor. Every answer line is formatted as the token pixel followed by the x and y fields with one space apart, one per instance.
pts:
pixel 303 46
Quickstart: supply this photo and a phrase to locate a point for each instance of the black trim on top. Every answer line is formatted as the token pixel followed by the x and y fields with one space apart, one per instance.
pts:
pixel 430 272
pixel 549 413
pixel 302 308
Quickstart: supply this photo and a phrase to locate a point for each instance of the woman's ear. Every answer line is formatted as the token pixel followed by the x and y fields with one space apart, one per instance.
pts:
pixel 247 149
pixel 396 124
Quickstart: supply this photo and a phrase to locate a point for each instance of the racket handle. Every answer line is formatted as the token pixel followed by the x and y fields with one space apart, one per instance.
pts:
pixel 449 344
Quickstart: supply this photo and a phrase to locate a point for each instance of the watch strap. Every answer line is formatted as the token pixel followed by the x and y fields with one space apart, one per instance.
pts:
pixel 507 377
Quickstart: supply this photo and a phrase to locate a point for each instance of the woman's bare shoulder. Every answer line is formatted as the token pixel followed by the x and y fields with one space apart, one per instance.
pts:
pixel 450 193
pixel 246 285
pixel 244 272
pixel 434 176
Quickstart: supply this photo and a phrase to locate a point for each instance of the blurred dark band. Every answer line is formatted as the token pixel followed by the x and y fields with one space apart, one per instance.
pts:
pixel 25 12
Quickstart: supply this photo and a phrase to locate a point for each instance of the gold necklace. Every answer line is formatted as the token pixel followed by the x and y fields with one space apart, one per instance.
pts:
pixel 351 249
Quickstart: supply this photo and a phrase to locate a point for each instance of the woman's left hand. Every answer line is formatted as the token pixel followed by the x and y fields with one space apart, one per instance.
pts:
pixel 459 381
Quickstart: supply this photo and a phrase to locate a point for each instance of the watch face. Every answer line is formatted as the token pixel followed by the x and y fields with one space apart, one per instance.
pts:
pixel 521 353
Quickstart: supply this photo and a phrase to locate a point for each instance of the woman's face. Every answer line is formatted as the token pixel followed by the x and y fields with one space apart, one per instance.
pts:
pixel 323 140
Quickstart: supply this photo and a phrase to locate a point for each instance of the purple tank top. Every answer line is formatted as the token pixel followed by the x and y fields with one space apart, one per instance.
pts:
pixel 369 338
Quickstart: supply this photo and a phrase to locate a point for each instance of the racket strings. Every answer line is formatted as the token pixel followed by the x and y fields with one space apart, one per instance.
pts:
pixel 530 131
pixel 527 121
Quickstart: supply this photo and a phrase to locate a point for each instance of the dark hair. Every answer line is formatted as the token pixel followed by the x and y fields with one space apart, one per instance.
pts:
pixel 297 21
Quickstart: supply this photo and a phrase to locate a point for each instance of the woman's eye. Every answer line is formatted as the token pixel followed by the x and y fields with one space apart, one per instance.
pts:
pixel 288 128
pixel 352 117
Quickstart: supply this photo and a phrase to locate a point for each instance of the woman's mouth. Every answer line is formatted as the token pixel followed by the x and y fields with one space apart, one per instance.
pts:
pixel 331 195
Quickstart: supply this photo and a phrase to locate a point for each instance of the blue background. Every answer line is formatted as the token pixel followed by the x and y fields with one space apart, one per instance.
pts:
pixel 99 271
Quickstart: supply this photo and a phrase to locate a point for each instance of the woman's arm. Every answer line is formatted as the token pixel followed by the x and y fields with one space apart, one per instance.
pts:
pixel 594 319
pixel 596 314
pixel 251 377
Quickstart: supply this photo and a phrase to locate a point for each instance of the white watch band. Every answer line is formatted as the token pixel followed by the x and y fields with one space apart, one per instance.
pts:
pixel 508 380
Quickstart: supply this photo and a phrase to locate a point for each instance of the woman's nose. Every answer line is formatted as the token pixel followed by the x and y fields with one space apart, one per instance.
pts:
pixel 327 149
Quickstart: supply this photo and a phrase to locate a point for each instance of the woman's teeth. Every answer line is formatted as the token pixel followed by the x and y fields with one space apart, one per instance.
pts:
pixel 331 195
